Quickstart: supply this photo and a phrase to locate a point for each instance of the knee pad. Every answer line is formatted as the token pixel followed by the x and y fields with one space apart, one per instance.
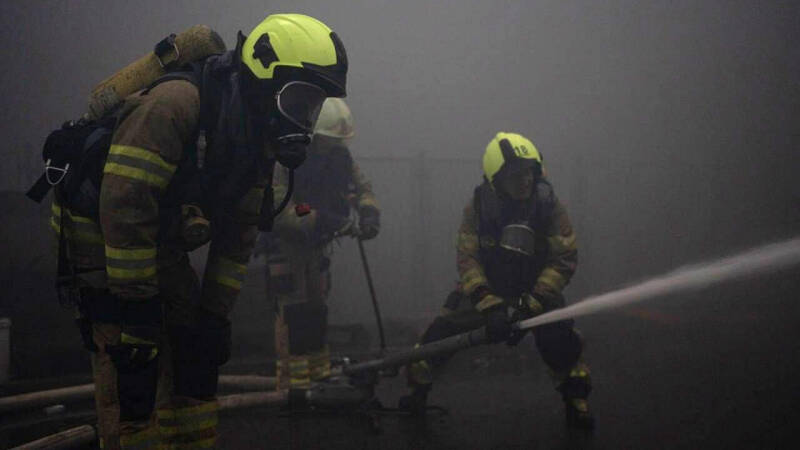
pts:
pixel 559 345
pixel 308 325
pixel 197 355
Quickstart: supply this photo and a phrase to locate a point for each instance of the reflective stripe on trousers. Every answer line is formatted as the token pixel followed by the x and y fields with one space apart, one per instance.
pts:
pixel 192 426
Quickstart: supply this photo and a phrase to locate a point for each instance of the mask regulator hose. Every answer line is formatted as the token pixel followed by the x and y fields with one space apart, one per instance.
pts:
pixel 290 154
pixel 268 215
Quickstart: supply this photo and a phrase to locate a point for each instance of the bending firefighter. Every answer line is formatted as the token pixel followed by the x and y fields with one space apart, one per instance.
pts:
pixel 150 323
pixel 328 186
pixel 516 252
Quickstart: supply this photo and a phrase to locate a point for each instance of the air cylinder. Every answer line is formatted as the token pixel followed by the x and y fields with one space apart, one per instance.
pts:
pixel 196 43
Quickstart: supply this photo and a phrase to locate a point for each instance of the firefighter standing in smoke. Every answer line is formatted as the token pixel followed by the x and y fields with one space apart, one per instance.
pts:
pixel 516 252
pixel 143 311
pixel 331 183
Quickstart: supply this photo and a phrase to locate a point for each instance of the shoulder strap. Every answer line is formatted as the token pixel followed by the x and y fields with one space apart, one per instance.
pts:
pixel 545 202
pixel 191 72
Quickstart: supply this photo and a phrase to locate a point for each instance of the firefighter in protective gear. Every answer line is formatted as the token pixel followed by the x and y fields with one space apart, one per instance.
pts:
pixel 516 252
pixel 157 334
pixel 298 251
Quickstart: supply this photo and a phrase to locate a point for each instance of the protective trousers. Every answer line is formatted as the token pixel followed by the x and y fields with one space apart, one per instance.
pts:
pixel 558 343
pixel 171 403
pixel 299 284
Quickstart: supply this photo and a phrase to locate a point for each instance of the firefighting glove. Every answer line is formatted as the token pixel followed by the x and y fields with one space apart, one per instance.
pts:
pixel 140 329
pixel 526 307
pixel 369 222
pixel 493 309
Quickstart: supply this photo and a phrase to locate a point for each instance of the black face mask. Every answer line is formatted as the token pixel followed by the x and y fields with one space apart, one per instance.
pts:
pixel 298 104
pixel 289 116
pixel 267 125
pixel 290 143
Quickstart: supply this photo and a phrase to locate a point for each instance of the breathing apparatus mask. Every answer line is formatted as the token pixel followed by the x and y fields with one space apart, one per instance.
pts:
pixel 281 116
pixel 298 104
pixel 284 115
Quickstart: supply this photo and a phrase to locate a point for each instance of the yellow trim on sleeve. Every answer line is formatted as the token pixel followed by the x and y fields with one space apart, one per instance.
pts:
pixel 139 164
pixel 471 279
pixel 136 174
pixel 140 153
pixel 562 244
pixel 552 278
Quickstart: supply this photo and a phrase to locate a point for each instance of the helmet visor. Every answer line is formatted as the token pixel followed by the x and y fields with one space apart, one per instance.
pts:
pixel 300 103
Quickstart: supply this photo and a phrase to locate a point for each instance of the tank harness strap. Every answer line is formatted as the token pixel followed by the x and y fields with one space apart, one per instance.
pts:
pixel 66 282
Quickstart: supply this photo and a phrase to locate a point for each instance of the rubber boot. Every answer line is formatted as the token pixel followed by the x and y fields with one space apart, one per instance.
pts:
pixel 574 391
pixel 578 414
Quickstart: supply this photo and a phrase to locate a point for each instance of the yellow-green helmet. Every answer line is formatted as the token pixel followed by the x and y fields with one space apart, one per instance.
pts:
pixel 510 151
pixel 296 47
pixel 335 120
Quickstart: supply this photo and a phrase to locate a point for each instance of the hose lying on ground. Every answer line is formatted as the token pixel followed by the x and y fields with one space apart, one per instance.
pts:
pixel 83 392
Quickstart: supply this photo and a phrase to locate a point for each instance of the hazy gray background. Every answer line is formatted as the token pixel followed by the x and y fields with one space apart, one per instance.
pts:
pixel 669 128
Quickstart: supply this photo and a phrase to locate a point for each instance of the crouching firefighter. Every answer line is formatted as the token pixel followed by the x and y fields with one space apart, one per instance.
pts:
pixel 515 254
pixel 329 185
pixel 151 324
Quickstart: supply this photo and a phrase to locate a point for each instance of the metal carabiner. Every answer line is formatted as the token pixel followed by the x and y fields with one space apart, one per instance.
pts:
pixel 48 168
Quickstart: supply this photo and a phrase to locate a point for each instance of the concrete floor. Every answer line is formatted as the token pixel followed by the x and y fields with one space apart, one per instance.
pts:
pixel 717 369
pixel 711 370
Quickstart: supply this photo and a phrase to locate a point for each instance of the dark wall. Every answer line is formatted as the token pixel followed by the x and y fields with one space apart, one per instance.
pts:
pixel 44 341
